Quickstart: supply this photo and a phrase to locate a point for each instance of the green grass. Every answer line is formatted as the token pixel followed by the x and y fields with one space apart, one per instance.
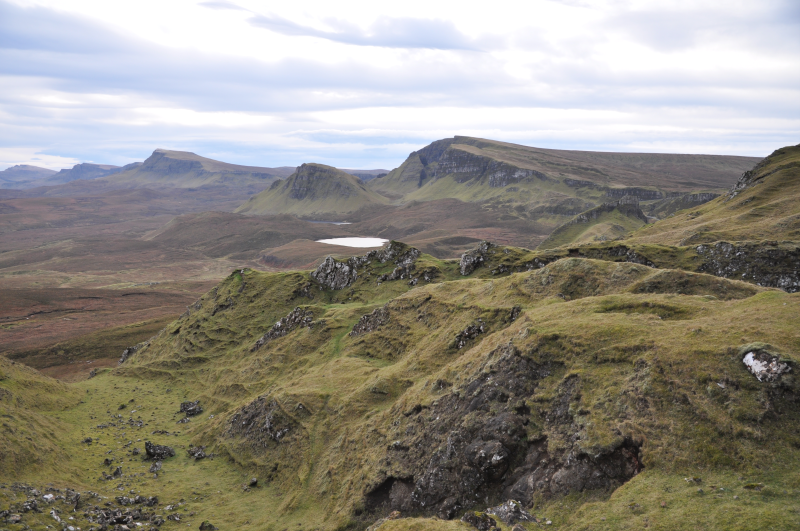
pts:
pixel 648 353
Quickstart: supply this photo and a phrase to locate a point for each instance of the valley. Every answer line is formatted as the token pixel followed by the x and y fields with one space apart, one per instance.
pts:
pixel 564 329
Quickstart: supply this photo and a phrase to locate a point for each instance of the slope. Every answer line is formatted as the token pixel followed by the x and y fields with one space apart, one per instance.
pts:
pixel 183 169
pixel 611 221
pixel 762 205
pixel 313 190
pixel 21 175
pixel 551 185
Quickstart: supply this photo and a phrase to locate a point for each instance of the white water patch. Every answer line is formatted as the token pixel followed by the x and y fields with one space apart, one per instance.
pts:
pixel 355 242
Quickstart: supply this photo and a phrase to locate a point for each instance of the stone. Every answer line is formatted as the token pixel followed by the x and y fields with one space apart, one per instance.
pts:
pixel 253 482
pixel 155 467
pixel 474 258
pixel 478 520
pixel 191 409
pixel 765 366
pixel 296 318
pixel 371 321
pixel 511 512
pixel 157 451
pixel 197 452
pixel 207 526
pixel 14 518
pixel 469 333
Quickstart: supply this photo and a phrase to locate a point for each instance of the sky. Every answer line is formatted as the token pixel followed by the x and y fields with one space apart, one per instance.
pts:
pixel 361 84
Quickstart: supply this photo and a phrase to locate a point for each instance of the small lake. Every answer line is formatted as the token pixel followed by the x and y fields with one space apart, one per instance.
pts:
pixel 355 242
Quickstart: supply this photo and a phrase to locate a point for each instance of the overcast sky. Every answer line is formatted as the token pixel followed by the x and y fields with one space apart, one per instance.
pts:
pixel 361 84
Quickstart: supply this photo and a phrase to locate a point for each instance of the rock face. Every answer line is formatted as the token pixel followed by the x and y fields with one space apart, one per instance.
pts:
pixel 511 512
pixel 769 266
pixel 190 409
pixel 303 183
pixel 262 421
pixel 466 166
pixel 628 205
pixel 472 444
pixel 336 275
pixel 296 318
pixel 332 274
pixel 474 258
pixel 130 351
pixel 478 520
pixel 371 321
pixel 157 451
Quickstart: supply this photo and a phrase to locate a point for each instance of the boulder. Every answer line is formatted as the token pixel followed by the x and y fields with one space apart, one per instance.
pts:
pixel 157 451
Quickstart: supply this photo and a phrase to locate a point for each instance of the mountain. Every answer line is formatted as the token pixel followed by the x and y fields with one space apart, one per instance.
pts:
pixel 313 190
pixel 762 205
pixel 610 221
pixel 21 175
pixel 182 169
pixel 80 171
pixel 474 169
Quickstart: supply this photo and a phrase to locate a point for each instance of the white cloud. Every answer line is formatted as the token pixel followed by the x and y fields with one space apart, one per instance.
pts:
pixel 358 83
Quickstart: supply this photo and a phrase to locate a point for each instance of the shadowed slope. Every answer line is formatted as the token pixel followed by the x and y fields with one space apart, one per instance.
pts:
pixel 313 190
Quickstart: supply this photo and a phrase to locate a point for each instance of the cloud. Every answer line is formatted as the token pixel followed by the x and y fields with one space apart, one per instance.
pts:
pixel 221 4
pixel 385 32
pixel 365 94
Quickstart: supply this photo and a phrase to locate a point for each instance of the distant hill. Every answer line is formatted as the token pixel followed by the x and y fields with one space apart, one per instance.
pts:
pixel 474 169
pixel 764 204
pixel 20 175
pixel 182 169
pixel 313 190
pixel 366 175
pixel 606 222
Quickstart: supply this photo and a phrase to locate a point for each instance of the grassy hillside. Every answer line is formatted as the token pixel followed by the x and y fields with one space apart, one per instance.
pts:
pixel 315 191
pixel 762 205
pixel 387 393
pixel 488 168
pixel 607 222
pixel 182 169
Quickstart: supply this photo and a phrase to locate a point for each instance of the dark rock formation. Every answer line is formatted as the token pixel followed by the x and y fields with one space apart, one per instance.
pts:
pixel 469 333
pixel 466 166
pixel 774 266
pixel 190 409
pixel 511 512
pixel 262 421
pixel 478 520
pixel 371 321
pixel 197 452
pixel 157 451
pixel 130 351
pixel 296 318
pixel 207 526
pixel 472 444
pixel 332 274
pixel 474 258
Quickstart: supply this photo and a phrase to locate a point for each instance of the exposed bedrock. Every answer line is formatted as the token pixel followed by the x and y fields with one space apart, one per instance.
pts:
pixel 774 266
pixel 333 274
pixel 467 166
pixel 474 445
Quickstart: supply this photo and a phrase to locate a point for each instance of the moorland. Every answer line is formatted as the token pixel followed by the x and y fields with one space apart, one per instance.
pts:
pixel 550 338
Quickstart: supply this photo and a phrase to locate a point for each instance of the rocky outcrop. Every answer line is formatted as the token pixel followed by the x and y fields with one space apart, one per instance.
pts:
pixel 475 258
pixel 130 351
pixel 190 409
pixel 472 444
pixel 628 205
pixel 371 321
pixel 295 319
pixel 642 194
pixel 466 166
pixel 157 451
pixel 332 274
pixel 262 421
pixel 766 264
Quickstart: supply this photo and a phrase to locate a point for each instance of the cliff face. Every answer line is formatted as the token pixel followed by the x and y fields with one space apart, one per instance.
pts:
pixel 313 189
pixel 312 179
pixel 466 166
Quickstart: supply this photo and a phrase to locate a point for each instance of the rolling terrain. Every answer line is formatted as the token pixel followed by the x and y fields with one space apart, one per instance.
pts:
pixel 620 384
